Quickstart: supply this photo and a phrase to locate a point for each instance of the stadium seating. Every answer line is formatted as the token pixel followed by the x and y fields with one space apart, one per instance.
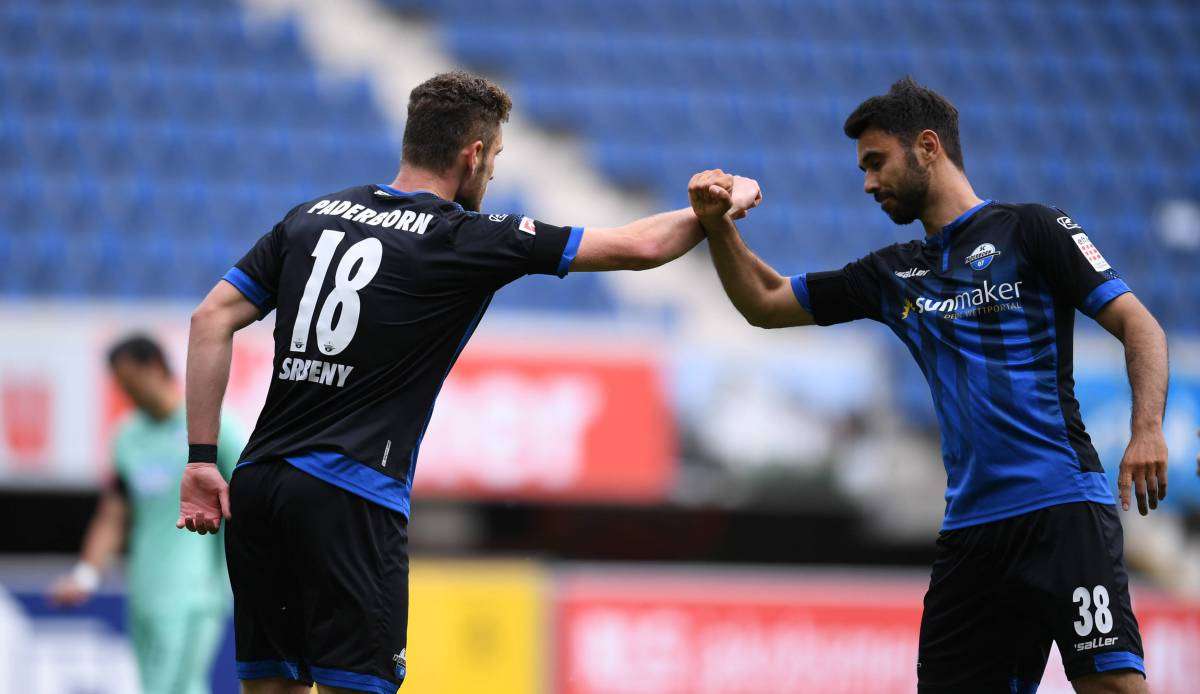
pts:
pixel 145 145
pixel 1087 106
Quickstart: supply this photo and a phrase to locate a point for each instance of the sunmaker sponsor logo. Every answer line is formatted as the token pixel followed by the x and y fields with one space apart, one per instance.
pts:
pixel 990 298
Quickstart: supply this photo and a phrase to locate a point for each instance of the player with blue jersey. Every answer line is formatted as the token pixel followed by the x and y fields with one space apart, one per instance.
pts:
pixel 376 290
pixel 1030 551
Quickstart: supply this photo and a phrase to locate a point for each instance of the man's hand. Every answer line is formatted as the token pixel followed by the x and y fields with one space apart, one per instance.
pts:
pixel 746 195
pixel 203 498
pixel 1144 468
pixel 76 587
pixel 710 194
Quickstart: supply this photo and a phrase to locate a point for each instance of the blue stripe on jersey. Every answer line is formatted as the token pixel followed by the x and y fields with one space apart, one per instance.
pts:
pixel 568 255
pixel 250 289
pixel 352 680
pixel 1101 295
pixel 355 477
pixel 261 669
pixel 800 289
pixel 1120 660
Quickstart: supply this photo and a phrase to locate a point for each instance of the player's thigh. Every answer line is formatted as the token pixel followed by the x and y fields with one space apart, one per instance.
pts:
pixel 1084 586
pixel 1111 683
pixel 351 562
pixel 975 635
pixel 266 623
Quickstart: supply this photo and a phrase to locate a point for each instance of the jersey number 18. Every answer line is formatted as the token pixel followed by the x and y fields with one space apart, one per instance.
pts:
pixel 332 339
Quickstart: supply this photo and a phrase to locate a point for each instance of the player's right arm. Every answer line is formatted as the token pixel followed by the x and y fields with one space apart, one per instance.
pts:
pixel 203 493
pixel 246 293
pixel 763 296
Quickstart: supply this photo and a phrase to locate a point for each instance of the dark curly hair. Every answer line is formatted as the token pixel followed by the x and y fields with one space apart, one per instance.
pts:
pixel 448 112
pixel 905 111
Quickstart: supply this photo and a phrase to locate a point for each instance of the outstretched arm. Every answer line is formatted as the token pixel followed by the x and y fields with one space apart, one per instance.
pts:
pixel 1144 465
pixel 658 239
pixel 203 495
pixel 763 296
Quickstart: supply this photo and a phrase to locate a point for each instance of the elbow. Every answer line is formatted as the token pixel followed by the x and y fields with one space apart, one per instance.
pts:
pixel 209 320
pixel 760 319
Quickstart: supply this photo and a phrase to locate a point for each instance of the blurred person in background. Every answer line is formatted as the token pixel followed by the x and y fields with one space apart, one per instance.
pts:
pixel 178 597
pixel 1031 548
pixel 376 290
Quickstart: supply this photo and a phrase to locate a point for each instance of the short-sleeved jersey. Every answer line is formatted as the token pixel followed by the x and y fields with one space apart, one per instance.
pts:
pixel 987 308
pixel 168 572
pixel 376 293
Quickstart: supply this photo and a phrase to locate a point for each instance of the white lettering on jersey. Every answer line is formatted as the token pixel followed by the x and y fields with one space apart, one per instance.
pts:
pixel 314 371
pixel 1090 252
pixel 402 220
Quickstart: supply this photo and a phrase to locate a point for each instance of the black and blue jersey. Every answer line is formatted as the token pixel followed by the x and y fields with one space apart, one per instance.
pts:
pixel 377 292
pixel 987 308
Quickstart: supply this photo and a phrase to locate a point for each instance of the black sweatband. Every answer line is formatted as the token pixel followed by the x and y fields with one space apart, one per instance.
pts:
pixel 202 453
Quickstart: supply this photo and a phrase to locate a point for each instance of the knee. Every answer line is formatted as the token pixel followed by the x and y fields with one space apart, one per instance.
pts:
pixel 1111 683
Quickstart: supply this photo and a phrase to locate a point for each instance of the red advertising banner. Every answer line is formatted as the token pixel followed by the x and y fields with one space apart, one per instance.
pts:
pixel 668 633
pixel 550 422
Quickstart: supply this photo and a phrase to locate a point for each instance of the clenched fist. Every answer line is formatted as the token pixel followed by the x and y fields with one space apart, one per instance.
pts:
pixel 714 194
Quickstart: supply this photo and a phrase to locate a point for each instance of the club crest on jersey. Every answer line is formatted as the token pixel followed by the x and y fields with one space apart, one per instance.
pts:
pixel 982 256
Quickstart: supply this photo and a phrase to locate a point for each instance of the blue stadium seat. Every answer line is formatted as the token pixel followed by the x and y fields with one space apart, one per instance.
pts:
pixel 146 145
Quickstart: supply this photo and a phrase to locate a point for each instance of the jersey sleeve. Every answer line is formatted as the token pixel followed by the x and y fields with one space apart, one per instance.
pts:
pixel 1062 253
pixel 840 296
pixel 500 248
pixel 256 275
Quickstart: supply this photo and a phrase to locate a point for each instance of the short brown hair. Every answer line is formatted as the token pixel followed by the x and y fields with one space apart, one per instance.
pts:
pixel 449 111
pixel 905 111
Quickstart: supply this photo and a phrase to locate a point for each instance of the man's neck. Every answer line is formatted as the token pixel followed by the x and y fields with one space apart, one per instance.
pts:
pixel 165 405
pixel 412 179
pixel 956 197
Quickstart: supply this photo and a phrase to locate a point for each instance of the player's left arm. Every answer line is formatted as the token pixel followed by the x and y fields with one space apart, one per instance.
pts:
pixel 1145 462
pixel 656 240
pixel 1080 275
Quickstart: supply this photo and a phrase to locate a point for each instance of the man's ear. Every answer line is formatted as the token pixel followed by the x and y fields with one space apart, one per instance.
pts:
pixel 928 146
pixel 474 153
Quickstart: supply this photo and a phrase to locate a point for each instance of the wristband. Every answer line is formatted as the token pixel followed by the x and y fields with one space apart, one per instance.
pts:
pixel 202 453
pixel 86 577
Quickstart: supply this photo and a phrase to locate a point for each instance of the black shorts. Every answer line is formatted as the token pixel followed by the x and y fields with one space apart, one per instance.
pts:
pixel 320 581
pixel 1001 592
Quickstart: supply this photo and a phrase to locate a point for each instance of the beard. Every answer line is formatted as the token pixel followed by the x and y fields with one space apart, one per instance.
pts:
pixel 470 196
pixel 910 193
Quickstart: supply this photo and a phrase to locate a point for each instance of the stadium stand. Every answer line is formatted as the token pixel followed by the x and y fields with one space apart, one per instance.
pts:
pixel 145 145
pixel 662 88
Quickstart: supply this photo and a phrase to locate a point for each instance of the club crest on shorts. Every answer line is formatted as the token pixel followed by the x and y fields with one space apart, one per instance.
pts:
pixel 982 256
